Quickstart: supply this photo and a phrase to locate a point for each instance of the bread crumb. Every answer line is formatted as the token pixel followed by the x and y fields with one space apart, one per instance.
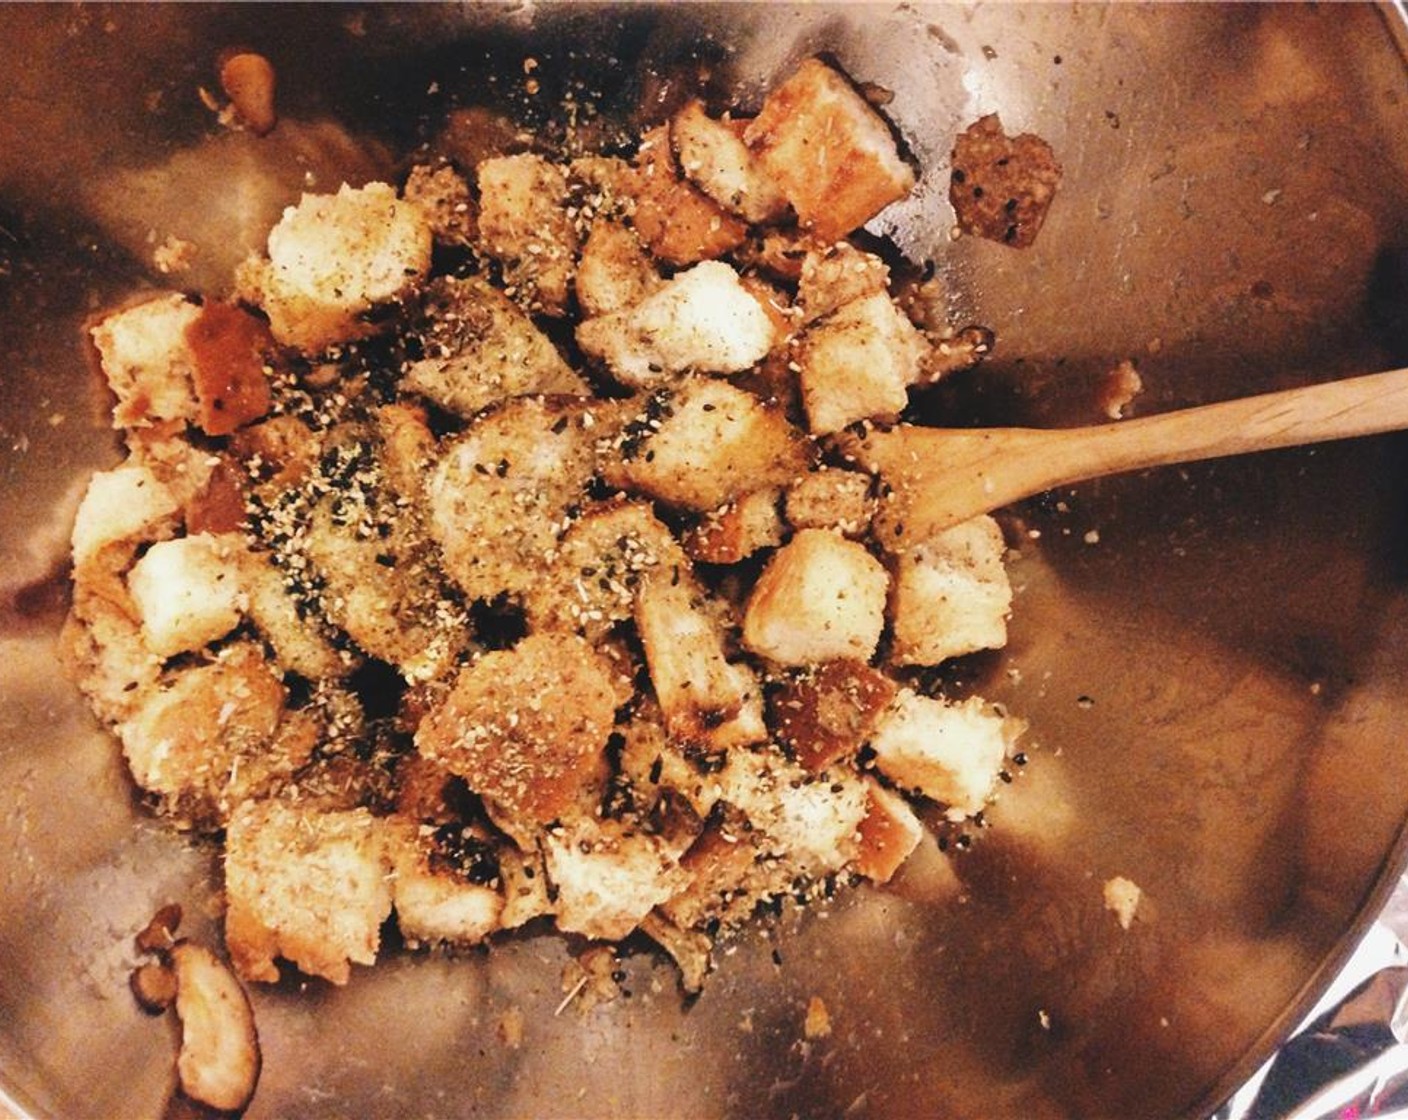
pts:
pixel 511 1027
pixel 1122 899
pixel 818 1021
pixel 1118 390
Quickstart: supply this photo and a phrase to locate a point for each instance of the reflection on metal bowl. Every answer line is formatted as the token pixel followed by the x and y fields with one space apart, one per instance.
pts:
pixel 1210 658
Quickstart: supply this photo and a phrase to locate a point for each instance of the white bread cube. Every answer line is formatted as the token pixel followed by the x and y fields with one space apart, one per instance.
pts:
pixel 858 363
pixel 837 275
pixel 831 498
pixel 887 834
pixel 147 362
pixel 949 752
pixel 188 592
pixel 951 595
pixel 821 598
pixel 706 699
pixel 433 906
pixel 334 258
pixel 307 884
pixel 713 156
pixel 614 272
pixel 524 225
pixel 122 507
pixel 607 878
pixel 810 820
pixel 703 319
pixel 705 443
pixel 828 151
pixel 480 348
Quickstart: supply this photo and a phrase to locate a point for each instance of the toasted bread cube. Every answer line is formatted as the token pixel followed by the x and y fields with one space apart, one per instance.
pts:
pixel 706 699
pixel 954 350
pixel 407 445
pixel 858 363
pixel 729 870
pixel 525 727
pixel 831 498
pixel 442 193
pixel 435 905
pixel 715 159
pixel 301 644
pixel 526 888
pixel 214 735
pixel 524 224
pixel 146 361
pixel 281 451
pixel 376 573
pixel 615 272
pixel 837 275
pixel 828 151
pixel 217 503
pixel 229 348
pixel 688 948
pixel 332 260
pixel 705 443
pixel 188 592
pixel 703 319
pixel 949 752
pixel 306 884
pixel 821 598
pixel 951 595
pixel 778 253
pixel 658 768
pixel 499 495
pixel 736 531
pixel 810 821
pixel 888 832
pixel 677 222
pixel 601 561
pixel 825 715
pixel 101 649
pixel 479 348
pixel 121 508
pixel 607 878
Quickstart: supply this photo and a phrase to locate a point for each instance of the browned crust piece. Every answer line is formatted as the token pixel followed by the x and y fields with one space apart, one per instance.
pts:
pixel 1002 186
pixel 526 727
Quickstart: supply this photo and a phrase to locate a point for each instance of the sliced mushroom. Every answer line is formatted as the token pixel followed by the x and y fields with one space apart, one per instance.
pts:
pixel 219 1060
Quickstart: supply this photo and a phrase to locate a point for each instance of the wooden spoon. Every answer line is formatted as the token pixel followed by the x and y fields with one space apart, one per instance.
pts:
pixel 938 477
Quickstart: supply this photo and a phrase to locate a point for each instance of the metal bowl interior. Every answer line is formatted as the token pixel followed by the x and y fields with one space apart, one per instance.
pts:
pixel 1210 658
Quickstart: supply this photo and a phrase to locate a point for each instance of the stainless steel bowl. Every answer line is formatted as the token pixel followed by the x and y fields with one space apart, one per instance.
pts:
pixel 1211 659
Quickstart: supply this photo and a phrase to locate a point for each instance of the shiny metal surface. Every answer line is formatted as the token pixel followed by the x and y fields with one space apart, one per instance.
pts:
pixel 1211 659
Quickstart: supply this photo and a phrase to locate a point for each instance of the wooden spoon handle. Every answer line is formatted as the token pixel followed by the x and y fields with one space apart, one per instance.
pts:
pixel 1357 406
pixel 938 477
